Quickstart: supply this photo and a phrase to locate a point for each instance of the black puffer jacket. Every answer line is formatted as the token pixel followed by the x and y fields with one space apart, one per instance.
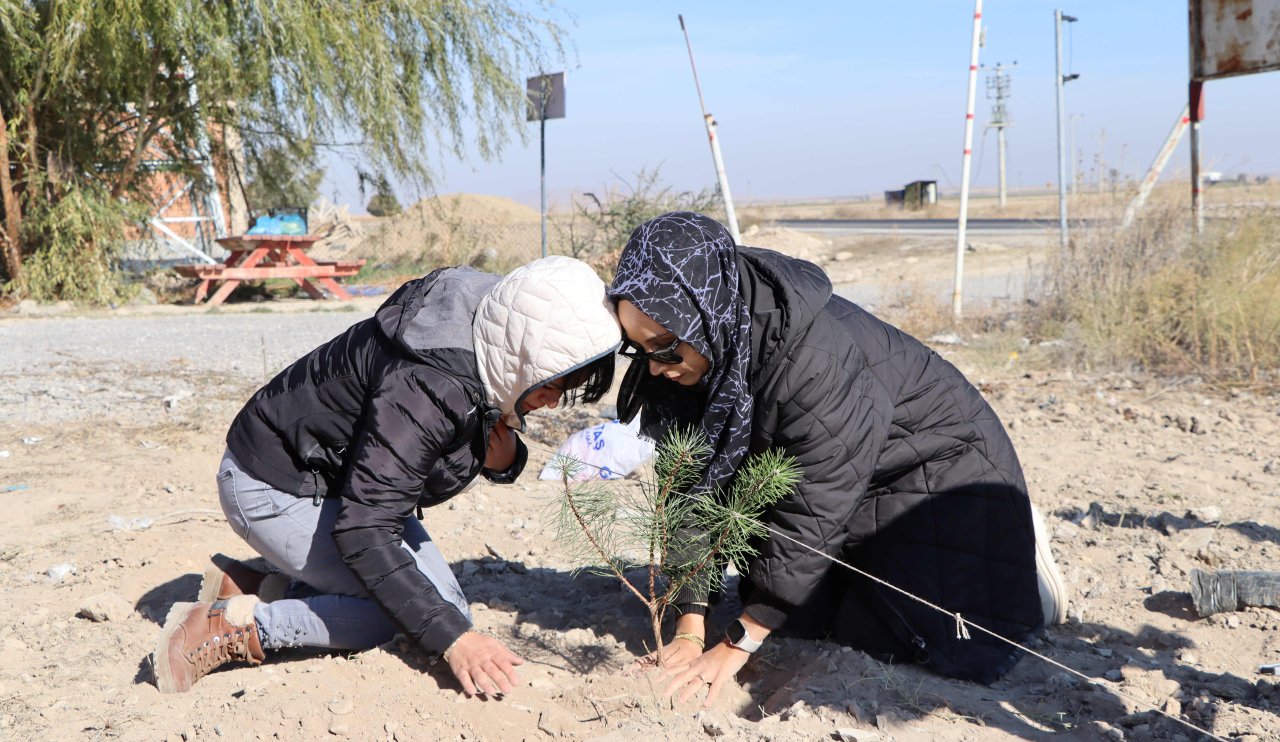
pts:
pixel 906 471
pixel 391 415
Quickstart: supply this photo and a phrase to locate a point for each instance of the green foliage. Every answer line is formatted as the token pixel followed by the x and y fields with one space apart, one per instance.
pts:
pixel 76 234
pixel 684 537
pixel 95 89
pixel 282 175
pixel 601 225
pixel 384 201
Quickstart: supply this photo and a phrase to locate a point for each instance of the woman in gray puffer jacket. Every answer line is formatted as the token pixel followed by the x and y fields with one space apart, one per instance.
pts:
pixel 907 473
pixel 326 465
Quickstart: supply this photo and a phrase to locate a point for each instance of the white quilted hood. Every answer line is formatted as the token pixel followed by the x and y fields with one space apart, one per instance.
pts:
pixel 541 321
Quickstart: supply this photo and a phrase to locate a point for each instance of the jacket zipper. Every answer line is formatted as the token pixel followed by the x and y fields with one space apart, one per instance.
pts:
pixel 922 649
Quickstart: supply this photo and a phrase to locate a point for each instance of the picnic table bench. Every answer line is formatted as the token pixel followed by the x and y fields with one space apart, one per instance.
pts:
pixel 258 257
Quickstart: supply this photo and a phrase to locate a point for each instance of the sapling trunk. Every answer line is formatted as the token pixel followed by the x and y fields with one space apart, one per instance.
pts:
pixel 686 537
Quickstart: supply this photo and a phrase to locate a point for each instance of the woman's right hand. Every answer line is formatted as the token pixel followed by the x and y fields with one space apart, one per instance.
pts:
pixel 483 664
pixel 677 652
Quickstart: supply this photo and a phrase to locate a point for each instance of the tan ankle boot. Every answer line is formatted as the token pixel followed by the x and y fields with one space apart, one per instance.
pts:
pixel 201 637
pixel 226 578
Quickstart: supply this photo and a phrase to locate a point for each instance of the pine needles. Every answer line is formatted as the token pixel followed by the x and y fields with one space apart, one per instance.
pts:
pixel 686 538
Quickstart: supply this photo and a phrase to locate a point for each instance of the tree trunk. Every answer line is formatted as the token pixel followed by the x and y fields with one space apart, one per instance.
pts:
pixel 12 211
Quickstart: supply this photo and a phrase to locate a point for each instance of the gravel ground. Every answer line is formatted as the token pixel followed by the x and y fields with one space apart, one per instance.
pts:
pixel 111 427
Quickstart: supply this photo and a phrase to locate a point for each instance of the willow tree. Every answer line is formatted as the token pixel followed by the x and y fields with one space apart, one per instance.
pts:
pixel 90 90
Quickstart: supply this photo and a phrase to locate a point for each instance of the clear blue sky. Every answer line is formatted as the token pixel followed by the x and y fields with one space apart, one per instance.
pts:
pixel 849 97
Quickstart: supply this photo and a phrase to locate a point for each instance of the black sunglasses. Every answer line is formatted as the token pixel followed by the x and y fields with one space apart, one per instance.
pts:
pixel 667 355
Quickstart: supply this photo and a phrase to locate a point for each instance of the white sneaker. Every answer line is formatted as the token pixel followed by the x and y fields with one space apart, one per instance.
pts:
pixel 1053 591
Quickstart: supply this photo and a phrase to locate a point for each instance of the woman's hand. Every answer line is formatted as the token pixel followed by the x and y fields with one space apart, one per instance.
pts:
pixel 676 653
pixel 483 664
pixel 713 668
pixel 501 451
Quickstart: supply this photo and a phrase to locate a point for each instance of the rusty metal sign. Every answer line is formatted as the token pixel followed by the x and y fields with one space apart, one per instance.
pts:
pixel 1234 37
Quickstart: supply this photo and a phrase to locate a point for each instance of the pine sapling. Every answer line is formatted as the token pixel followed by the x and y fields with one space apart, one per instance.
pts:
pixel 685 538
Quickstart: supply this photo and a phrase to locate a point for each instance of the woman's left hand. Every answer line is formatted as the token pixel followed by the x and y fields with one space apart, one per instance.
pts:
pixel 714 667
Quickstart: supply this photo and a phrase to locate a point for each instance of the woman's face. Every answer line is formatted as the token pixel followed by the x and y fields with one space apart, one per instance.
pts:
pixel 644 331
pixel 548 395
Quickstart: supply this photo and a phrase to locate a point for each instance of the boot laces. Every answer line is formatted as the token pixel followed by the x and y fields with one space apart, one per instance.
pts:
pixel 219 649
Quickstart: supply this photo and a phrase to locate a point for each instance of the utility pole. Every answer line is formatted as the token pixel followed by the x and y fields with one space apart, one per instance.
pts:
pixel 963 222
pixel 1071 146
pixel 721 177
pixel 998 85
pixel 1060 80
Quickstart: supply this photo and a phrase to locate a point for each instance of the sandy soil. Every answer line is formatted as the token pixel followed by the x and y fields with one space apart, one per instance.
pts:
pixel 111 427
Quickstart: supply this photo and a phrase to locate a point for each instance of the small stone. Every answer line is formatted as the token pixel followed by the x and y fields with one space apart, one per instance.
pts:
pixel 1114 675
pixel 105 607
pixel 339 729
pixel 1233 622
pixel 797 710
pixel 857 735
pixel 1106 731
pixel 340 706
pixel 842 256
pixel 712 724
pixel 1103 651
pixel 1206 514
pixel 60 572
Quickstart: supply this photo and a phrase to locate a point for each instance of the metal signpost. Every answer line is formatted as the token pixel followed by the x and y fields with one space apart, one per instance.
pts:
pixel 1228 38
pixel 721 178
pixel 546 101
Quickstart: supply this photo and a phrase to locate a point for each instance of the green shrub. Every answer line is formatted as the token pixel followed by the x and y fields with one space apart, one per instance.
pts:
pixel 76 235
pixel 600 225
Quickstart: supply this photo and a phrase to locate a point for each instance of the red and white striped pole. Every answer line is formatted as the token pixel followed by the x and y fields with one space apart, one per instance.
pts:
pixel 968 157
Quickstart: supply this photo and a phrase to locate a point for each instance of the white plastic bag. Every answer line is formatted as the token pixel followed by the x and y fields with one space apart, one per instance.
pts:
pixel 606 451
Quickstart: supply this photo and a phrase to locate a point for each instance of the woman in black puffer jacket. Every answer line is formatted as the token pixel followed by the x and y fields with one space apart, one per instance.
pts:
pixel 907 473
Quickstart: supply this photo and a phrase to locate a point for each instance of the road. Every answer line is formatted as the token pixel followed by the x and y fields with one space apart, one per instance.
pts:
pixel 921 226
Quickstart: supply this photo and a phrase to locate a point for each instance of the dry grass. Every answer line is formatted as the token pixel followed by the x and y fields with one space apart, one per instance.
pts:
pixel 1154 297
pixel 1226 199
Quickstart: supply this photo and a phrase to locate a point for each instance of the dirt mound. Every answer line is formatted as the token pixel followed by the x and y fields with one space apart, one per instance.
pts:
pixel 786 241
pixel 452 229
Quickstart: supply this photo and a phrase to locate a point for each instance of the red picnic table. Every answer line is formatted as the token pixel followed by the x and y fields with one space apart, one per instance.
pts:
pixel 260 256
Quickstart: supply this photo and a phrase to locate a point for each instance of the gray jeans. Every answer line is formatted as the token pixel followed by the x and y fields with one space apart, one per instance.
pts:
pixel 327 606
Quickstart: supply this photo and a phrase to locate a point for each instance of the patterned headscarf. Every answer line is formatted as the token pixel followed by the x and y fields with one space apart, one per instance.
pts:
pixel 681 270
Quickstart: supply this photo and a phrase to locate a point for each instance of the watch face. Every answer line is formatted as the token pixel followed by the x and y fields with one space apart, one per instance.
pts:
pixel 736 632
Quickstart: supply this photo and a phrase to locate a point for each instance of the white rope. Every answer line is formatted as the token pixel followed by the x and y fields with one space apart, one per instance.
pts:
pixel 962 624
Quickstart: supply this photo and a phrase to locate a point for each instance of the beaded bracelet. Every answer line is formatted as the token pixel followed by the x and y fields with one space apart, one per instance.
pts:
pixel 692 638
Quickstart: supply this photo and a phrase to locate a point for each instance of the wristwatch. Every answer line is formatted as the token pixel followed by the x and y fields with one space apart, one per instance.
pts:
pixel 738 636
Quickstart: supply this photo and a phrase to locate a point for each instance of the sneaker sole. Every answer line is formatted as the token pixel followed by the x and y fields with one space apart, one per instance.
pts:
pixel 1047 574
pixel 160 669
